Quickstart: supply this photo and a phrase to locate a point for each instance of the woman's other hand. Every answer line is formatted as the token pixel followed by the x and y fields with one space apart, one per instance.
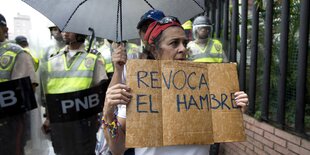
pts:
pixel 242 100
pixel 115 95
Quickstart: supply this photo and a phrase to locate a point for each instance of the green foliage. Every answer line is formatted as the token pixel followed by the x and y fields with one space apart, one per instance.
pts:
pixel 258 115
pixel 290 96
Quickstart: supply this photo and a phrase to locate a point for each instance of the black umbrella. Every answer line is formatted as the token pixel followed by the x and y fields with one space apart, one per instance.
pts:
pixel 111 19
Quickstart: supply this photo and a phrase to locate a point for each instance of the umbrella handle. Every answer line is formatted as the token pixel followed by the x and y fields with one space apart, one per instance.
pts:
pixel 91 39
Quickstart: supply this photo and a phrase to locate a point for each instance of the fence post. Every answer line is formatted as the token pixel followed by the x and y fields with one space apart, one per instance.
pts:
pixel 243 53
pixel 285 15
pixel 302 66
pixel 218 19
pixel 267 62
pixel 234 31
pixel 254 51
pixel 225 26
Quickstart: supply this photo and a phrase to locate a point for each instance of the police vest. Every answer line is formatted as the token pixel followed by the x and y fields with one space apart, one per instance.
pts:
pixel 132 51
pixel 8 53
pixel 212 52
pixel 78 76
pixel 34 58
pixel 106 51
pixel 187 25
pixel 47 52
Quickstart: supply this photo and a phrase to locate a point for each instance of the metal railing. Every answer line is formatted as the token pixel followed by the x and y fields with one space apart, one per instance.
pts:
pixel 227 23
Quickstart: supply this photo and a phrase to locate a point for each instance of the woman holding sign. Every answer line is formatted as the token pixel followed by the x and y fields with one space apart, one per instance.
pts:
pixel 167 41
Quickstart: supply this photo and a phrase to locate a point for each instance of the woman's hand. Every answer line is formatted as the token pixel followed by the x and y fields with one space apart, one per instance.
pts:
pixel 119 55
pixel 241 99
pixel 115 95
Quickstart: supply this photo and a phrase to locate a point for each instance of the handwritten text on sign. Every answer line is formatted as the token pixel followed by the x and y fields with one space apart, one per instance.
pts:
pixel 180 80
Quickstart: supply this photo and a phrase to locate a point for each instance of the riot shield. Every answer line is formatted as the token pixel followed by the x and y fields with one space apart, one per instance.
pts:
pixel 19 118
pixel 74 120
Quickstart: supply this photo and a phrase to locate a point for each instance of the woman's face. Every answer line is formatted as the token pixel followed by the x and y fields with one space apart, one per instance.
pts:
pixel 172 45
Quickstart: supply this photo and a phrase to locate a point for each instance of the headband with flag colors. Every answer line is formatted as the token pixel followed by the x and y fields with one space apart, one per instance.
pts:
pixel 157 27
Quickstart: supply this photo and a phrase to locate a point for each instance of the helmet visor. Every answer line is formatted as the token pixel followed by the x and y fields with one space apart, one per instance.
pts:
pixel 201 29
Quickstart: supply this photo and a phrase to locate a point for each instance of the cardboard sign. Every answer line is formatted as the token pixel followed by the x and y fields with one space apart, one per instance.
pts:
pixel 16 97
pixel 182 103
pixel 76 105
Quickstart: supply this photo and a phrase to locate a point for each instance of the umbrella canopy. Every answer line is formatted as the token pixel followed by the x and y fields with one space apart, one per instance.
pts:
pixel 110 19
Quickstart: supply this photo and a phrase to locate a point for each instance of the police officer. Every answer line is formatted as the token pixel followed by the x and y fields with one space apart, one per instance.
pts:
pixel 187 26
pixel 132 50
pixel 56 45
pixel 106 51
pixel 58 42
pixel 23 42
pixel 14 63
pixel 204 48
pixel 73 69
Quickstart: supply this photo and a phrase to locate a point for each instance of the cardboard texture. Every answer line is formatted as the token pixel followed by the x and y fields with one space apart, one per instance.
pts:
pixel 181 102
pixel 145 127
pixel 182 111
pixel 226 117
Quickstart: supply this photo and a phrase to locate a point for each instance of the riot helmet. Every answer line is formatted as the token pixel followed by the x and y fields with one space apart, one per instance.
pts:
pixel 201 22
pixel 55 32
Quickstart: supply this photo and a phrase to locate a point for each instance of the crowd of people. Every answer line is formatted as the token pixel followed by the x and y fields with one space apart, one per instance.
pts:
pixel 69 66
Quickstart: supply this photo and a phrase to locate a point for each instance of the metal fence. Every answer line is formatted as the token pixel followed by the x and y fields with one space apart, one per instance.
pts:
pixel 258 34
